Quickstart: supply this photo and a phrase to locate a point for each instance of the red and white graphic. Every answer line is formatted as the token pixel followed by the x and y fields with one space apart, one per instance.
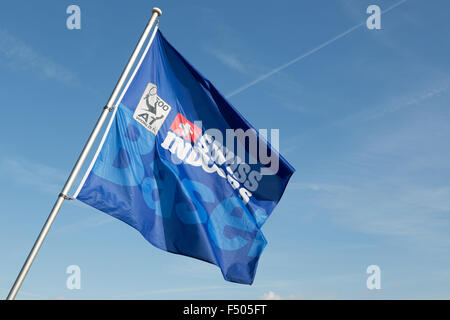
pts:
pixel 186 129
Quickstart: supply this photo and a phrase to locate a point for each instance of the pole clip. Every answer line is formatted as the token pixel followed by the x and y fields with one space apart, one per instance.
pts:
pixel 62 195
pixel 110 109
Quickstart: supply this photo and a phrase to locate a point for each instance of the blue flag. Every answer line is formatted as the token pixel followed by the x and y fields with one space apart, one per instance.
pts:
pixel 183 167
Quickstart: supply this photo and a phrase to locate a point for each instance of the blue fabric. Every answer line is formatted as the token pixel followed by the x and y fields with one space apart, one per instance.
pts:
pixel 183 207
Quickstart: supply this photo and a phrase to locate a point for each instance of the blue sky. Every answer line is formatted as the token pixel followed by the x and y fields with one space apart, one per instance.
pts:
pixel 363 119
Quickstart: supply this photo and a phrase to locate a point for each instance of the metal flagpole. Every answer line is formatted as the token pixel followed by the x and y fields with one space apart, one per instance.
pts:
pixel 76 169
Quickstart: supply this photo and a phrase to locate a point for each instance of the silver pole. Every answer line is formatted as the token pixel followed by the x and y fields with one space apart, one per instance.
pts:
pixel 76 169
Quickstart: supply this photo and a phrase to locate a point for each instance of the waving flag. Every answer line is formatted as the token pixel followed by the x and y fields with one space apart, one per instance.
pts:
pixel 166 168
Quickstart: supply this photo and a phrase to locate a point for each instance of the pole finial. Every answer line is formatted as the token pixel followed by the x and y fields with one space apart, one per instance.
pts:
pixel 157 10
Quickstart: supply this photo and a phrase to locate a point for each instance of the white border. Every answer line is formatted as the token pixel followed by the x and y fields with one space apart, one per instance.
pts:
pixel 83 181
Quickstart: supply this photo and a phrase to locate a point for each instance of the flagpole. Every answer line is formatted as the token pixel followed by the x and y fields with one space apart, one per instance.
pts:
pixel 156 12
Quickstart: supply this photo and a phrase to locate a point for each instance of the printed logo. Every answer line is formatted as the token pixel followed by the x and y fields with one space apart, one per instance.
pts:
pixel 186 129
pixel 151 111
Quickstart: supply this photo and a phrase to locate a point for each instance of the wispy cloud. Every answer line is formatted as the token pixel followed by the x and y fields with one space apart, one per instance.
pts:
pixel 319 187
pixel 175 290
pixel 305 55
pixel 91 222
pixel 26 294
pixel 228 59
pixel 225 41
pixel 195 268
pixel 416 99
pixel 418 96
pixel 25 173
pixel 391 193
pixel 21 56
pixel 293 61
pixel 229 46
pixel 400 102
pixel 394 214
pixel 227 286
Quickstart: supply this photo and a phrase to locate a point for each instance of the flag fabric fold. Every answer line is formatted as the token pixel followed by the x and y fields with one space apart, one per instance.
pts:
pixel 167 169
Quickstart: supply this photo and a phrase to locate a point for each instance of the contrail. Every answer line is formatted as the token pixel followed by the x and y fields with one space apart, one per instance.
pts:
pixel 323 45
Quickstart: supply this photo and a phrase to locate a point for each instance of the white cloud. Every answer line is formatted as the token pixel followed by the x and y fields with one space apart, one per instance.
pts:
pixel 273 296
pixel 270 296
